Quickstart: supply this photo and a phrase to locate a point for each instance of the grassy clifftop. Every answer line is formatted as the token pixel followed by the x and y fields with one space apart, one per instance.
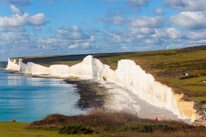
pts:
pixel 167 66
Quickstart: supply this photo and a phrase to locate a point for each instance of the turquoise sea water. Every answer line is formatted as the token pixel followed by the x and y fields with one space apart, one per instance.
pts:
pixel 27 99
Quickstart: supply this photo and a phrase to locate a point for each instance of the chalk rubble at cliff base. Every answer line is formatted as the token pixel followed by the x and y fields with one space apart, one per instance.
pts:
pixel 127 75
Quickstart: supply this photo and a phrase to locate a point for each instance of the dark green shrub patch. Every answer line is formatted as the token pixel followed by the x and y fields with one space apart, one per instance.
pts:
pixel 191 76
pixel 147 127
pixel 75 129
pixel 194 75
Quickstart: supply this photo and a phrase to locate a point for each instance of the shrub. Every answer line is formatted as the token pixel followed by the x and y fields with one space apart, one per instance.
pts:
pixel 187 77
pixel 146 127
pixel 75 129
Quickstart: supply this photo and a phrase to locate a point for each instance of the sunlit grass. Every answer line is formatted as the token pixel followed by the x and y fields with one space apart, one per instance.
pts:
pixel 10 129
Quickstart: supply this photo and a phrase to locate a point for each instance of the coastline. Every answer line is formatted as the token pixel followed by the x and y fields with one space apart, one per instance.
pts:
pixel 92 94
pixel 95 94
pixel 105 95
pixel 143 86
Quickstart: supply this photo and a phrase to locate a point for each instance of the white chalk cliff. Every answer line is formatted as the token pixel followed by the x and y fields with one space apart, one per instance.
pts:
pixel 127 75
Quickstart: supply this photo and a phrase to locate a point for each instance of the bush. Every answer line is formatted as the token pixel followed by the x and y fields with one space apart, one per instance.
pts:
pixel 75 129
pixel 187 77
pixel 147 127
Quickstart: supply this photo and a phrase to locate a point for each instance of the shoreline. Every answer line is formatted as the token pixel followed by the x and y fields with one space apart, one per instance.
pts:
pixel 92 94
pixel 95 94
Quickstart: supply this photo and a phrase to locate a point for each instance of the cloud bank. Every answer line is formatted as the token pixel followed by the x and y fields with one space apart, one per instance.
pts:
pixel 146 25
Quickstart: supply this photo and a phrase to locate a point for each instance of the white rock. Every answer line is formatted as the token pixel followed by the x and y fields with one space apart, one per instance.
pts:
pixel 59 70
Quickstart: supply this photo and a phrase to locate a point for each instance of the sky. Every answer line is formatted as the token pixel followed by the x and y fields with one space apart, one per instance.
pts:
pixel 51 27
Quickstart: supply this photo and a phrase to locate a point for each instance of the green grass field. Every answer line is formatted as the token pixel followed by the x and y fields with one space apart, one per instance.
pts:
pixel 10 129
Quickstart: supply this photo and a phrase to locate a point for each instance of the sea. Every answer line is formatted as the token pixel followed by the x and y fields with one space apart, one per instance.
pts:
pixel 28 99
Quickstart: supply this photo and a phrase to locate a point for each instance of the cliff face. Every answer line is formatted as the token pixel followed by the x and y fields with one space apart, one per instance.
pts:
pixel 128 75
pixel 13 64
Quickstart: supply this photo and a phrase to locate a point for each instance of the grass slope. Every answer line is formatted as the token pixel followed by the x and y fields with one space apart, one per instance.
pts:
pixel 167 66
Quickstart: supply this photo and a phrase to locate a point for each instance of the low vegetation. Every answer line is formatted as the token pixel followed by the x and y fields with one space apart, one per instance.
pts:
pixel 120 124
pixel 75 129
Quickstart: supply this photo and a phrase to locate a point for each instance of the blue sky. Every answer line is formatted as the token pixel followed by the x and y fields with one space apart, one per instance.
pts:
pixel 48 27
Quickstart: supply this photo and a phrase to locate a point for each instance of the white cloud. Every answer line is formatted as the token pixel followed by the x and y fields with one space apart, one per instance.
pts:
pixel 3 29
pixel 138 37
pixel 20 19
pixel 136 33
pixel 66 40
pixel 117 20
pixel 15 10
pixel 159 33
pixel 79 45
pixel 37 28
pixel 135 4
pixel 48 41
pixel 71 38
pixel 173 33
pixel 38 19
pixel 13 39
pixel 145 21
pixel 73 33
pixel 141 30
pixel 17 2
pixel 196 35
pixel 115 38
pixel 158 11
pixel 190 20
pixel 14 20
pixel 75 45
pixel 167 34
pixel 190 5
